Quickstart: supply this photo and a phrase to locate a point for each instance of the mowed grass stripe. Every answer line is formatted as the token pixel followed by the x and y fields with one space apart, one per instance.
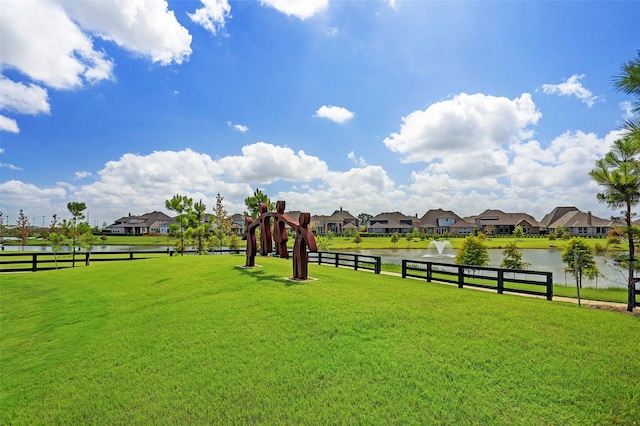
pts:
pixel 197 340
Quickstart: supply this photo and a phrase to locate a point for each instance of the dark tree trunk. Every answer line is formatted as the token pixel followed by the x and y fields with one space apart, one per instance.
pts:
pixel 631 294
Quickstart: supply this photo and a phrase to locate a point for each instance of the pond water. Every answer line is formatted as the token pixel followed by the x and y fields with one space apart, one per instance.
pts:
pixel 540 260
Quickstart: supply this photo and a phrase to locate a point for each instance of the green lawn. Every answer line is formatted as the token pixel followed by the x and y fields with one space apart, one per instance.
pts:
pixel 196 340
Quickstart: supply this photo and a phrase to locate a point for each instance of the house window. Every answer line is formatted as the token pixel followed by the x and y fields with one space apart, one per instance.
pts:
pixel 446 222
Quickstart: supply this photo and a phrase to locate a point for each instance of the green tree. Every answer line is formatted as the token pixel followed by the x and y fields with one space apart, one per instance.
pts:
pixel 234 242
pixel 364 219
pixel 357 239
pixel 253 202
pixel 513 258
pixel 409 237
pixel 182 205
pixel 86 239
pixel 518 232
pixel 2 228
pixel 395 238
pixel 221 221
pixel 619 171
pixel 76 208
pixel 552 238
pixel 472 252
pixel 579 258
pixel 628 81
pixel 23 228
pixel 619 174
pixel 56 240
pixel 329 237
pixel 200 228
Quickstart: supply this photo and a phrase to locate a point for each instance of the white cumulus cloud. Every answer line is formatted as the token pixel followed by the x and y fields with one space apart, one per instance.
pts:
pixel 466 124
pixel 264 163
pixel 213 15
pixel 39 39
pixel 300 9
pixel 239 127
pixel 9 125
pixel 334 113
pixel 23 98
pixel 146 27
pixel 571 87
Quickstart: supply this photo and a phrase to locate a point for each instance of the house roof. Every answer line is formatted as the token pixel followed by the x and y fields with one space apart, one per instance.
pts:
pixel 498 217
pixel 556 214
pixel 430 218
pixel 344 215
pixel 143 221
pixel 575 219
pixel 392 220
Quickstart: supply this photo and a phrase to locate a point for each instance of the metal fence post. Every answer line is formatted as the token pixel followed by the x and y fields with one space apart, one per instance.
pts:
pixel 404 268
pixel 500 281
pixel 549 286
pixel 34 262
pixel 460 276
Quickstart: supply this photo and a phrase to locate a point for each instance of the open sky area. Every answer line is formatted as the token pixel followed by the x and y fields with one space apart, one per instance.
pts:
pixel 371 106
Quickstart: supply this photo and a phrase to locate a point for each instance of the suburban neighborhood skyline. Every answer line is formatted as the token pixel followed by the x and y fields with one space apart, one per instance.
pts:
pixel 434 221
pixel 393 105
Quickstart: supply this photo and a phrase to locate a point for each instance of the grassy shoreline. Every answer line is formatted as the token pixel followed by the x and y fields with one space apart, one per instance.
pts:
pixel 337 243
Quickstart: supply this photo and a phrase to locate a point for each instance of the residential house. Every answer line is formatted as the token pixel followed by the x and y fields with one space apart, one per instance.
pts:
pixel 337 223
pixel 390 223
pixel 497 222
pixel 439 222
pixel 576 222
pixel 238 225
pixel 148 223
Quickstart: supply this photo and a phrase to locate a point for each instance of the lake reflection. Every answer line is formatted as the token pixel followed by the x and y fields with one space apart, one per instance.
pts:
pixel 540 259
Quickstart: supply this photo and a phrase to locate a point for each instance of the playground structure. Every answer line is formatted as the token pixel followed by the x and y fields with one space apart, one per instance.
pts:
pixel 304 239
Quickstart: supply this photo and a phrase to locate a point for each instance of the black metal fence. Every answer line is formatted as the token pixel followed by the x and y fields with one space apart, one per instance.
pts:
pixel 499 279
pixel 347 260
pixel 42 261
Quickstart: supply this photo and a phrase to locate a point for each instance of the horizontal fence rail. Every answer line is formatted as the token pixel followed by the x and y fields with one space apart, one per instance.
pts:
pixel 42 261
pixel 499 279
pixel 347 260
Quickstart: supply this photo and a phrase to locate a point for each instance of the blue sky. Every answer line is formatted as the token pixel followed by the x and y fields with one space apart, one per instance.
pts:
pixel 371 106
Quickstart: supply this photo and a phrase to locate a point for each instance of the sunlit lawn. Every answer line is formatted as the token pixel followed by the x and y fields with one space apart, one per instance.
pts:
pixel 196 340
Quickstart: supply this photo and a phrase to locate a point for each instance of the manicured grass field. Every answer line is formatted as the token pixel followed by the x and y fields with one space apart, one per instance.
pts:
pixel 196 340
